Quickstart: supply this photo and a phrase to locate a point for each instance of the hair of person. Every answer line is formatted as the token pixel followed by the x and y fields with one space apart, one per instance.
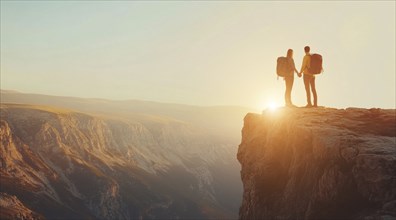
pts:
pixel 290 53
pixel 307 49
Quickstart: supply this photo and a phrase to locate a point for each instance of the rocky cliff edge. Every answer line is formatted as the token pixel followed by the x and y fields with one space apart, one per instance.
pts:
pixel 319 164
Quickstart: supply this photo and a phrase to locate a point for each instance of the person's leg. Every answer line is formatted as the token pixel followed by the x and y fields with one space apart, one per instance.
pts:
pixel 307 91
pixel 291 88
pixel 313 88
pixel 289 84
pixel 286 84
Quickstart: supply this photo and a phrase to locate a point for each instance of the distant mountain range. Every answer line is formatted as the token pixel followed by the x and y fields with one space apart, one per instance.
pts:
pixel 222 121
pixel 65 157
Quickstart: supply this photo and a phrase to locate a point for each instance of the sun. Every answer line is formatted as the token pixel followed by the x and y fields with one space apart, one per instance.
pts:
pixel 268 103
pixel 272 106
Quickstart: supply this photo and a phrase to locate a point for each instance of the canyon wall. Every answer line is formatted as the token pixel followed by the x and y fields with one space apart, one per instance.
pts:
pixel 61 163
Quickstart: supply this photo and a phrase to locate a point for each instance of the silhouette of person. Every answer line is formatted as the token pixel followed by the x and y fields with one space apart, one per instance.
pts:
pixel 289 79
pixel 309 79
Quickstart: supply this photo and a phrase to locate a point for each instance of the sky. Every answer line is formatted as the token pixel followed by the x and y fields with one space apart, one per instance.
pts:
pixel 199 52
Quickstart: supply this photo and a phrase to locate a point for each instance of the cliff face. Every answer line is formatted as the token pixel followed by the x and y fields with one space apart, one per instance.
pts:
pixel 319 164
pixel 11 205
pixel 62 163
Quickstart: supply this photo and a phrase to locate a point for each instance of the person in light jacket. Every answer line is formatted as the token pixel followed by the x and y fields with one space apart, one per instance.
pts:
pixel 289 79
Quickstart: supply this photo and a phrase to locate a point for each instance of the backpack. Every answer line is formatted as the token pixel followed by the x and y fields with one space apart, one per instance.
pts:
pixel 283 67
pixel 316 64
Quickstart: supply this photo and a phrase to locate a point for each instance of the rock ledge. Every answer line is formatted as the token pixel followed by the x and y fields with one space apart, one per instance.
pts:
pixel 319 163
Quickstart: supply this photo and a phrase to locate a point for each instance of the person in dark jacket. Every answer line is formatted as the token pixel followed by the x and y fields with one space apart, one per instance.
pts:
pixel 309 79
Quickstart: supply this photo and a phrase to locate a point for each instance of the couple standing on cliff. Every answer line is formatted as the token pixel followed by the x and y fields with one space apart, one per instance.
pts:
pixel 309 76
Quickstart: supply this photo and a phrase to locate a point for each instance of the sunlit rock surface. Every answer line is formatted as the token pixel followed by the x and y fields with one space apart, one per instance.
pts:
pixel 319 163
pixel 12 208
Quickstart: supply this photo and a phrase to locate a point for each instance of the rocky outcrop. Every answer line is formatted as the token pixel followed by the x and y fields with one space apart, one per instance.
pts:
pixel 319 163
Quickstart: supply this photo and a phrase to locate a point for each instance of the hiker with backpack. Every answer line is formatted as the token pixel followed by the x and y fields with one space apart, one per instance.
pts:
pixel 312 65
pixel 286 69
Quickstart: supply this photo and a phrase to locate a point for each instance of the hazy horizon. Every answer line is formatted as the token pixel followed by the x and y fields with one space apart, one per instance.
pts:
pixel 125 100
pixel 198 53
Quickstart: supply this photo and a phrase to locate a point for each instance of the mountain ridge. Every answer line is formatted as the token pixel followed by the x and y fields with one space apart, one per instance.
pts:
pixel 7 91
pixel 221 121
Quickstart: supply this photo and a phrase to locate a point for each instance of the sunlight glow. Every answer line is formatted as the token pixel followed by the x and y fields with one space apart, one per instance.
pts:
pixel 272 106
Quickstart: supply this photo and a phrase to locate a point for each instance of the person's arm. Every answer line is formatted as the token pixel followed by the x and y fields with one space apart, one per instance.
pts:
pixel 304 64
pixel 295 69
